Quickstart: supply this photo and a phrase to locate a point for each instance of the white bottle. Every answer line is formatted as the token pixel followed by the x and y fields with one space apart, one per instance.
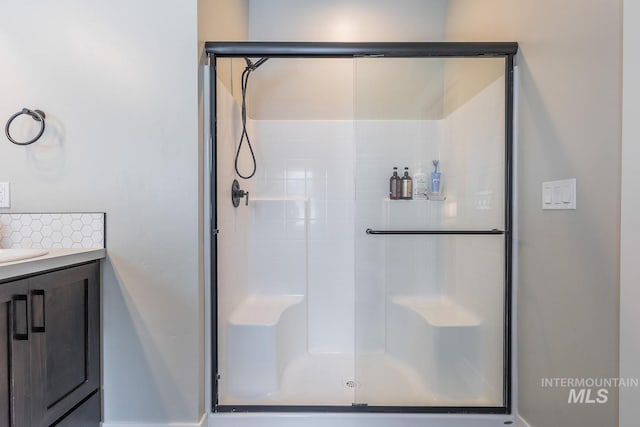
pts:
pixel 420 183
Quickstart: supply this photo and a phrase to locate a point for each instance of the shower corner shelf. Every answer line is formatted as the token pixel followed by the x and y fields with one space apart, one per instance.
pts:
pixel 436 197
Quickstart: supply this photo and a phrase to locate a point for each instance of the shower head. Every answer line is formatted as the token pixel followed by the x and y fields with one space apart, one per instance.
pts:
pixel 253 65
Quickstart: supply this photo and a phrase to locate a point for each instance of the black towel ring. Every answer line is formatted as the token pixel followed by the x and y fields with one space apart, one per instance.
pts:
pixel 37 115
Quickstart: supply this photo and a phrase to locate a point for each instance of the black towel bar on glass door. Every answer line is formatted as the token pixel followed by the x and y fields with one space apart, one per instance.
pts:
pixel 417 232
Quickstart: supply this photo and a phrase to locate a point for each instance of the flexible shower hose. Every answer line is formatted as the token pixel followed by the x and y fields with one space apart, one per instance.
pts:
pixel 245 135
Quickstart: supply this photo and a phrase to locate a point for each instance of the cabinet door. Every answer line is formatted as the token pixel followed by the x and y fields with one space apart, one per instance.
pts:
pixel 14 354
pixel 65 340
pixel 85 415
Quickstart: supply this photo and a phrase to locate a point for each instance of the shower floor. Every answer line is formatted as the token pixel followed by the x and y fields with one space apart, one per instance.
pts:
pixel 328 379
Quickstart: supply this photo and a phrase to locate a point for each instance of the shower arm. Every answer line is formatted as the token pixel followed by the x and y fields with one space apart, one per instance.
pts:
pixel 253 65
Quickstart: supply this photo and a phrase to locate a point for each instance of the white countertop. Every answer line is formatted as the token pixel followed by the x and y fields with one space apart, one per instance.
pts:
pixel 56 258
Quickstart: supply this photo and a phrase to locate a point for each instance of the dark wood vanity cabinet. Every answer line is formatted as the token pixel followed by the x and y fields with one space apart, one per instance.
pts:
pixel 50 349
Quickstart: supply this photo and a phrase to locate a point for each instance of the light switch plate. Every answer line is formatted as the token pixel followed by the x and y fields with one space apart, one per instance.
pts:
pixel 559 194
pixel 5 195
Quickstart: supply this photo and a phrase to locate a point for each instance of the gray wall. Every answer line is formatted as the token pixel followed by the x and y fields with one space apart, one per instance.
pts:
pixel 570 109
pixel 119 84
pixel 630 219
pixel 117 81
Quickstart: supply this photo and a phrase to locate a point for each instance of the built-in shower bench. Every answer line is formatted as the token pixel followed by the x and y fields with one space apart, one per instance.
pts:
pixel 438 312
pixel 265 333
pixel 439 337
pixel 260 310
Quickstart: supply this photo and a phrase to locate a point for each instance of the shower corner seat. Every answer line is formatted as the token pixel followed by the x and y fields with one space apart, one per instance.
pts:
pixel 265 334
pixel 450 355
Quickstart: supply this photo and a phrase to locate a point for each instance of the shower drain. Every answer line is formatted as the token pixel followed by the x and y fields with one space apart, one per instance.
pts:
pixel 351 383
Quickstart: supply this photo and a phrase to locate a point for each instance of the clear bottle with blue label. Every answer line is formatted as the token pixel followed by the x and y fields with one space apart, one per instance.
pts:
pixel 420 183
pixel 435 178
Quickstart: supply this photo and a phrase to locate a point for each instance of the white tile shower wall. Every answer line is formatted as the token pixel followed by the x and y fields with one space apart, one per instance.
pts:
pixel 394 266
pixel 278 247
pixel 52 230
pixel 383 144
pixel 316 160
pixel 472 161
pixel 310 164
pixel 233 223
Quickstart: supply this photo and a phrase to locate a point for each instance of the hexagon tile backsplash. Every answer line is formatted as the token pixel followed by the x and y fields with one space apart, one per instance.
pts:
pixel 52 230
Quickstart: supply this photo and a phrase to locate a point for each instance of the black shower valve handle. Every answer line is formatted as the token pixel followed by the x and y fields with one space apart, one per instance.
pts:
pixel 244 194
pixel 240 194
pixel 237 193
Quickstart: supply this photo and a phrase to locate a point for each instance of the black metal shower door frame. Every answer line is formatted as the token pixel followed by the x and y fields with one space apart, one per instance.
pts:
pixel 506 50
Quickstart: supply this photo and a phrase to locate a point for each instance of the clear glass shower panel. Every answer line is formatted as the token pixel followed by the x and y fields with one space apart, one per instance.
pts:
pixel 285 256
pixel 233 239
pixel 429 260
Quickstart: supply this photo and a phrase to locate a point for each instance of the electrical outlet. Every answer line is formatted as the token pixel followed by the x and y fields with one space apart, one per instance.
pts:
pixel 5 195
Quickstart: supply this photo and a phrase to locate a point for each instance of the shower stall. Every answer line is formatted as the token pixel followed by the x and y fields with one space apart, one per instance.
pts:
pixel 327 294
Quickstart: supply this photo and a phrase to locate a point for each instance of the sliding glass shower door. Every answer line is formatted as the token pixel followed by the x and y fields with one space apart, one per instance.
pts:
pixel 430 260
pixel 334 289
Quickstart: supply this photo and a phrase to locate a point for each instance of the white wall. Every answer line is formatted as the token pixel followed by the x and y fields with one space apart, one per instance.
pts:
pixel 118 84
pixel 351 20
pixel 343 21
pixel 569 128
pixel 223 20
pixel 630 226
